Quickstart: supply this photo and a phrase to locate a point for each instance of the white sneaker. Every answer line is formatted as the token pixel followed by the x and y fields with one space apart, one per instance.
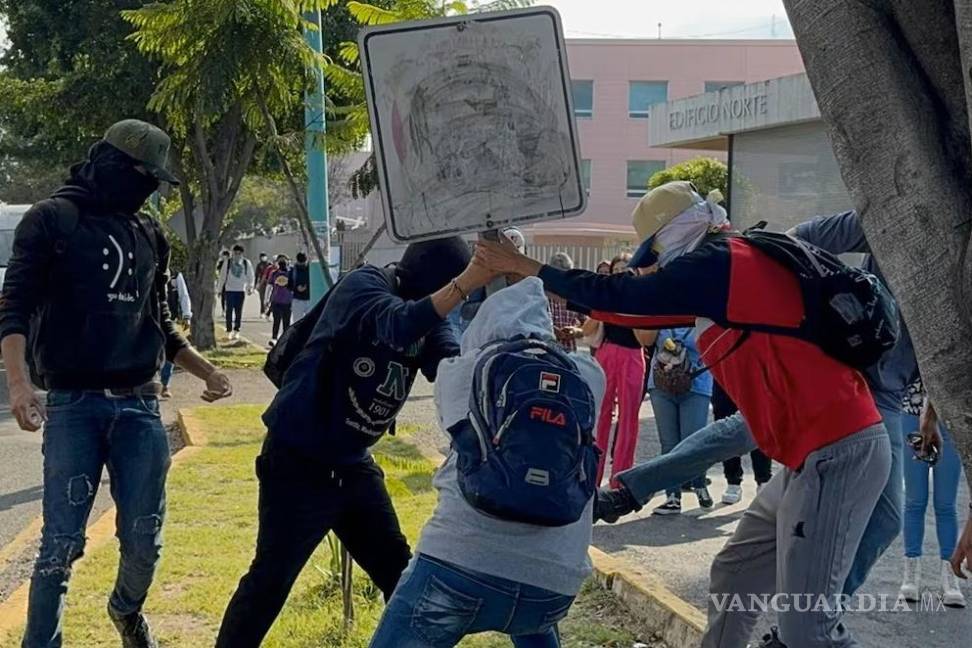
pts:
pixel 911 583
pixel 951 593
pixel 733 494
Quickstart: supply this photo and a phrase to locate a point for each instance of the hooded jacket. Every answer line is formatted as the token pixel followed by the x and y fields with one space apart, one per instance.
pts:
pixel 100 291
pixel 553 558
pixel 344 390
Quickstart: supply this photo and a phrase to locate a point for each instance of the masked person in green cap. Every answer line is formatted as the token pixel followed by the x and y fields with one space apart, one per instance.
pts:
pixel 87 285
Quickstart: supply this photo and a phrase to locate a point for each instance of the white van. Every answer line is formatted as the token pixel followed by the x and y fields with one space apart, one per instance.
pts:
pixel 10 216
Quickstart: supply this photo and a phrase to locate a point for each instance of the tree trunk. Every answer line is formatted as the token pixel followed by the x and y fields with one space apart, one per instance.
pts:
pixel 202 260
pixel 222 154
pixel 890 82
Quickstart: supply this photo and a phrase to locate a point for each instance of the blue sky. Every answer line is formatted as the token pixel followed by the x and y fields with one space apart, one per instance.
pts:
pixel 679 18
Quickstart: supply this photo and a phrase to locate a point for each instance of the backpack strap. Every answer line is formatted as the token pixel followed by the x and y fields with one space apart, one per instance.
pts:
pixel 735 347
pixel 66 218
pixel 153 233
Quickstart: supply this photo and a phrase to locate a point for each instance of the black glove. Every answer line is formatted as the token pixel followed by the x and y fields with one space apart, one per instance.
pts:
pixel 612 503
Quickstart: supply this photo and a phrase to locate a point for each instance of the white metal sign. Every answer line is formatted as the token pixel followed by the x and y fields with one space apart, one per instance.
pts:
pixel 472 122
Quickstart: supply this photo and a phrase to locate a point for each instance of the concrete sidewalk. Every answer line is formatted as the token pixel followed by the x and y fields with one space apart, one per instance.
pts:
pixel 680 549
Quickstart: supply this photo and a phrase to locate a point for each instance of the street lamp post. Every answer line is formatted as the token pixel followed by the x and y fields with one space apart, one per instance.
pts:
pixel 314 129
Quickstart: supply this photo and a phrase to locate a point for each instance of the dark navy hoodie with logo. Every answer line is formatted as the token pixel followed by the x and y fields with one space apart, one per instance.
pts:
pixel 346 387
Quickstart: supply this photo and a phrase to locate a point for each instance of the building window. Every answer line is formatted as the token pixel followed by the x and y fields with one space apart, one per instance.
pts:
pixel 715 86
pixel 586 175
pixel 583 92
pixel 643 94
pixel 639 173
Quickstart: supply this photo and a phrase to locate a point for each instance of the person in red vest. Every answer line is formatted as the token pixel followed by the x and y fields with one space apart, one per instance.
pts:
pixel 799 537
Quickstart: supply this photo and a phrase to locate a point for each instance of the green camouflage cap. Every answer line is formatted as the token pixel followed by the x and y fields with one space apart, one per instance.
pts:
pixel 144 142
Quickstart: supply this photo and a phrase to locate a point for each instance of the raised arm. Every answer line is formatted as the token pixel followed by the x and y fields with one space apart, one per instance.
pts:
pixel 838 234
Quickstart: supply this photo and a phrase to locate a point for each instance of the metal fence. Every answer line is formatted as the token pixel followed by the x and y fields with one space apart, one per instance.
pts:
pixel 586 257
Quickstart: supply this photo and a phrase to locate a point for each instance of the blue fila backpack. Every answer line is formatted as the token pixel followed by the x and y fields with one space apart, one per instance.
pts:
pixel 526 452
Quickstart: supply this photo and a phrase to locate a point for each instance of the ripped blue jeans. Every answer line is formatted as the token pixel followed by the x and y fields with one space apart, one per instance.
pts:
pixel 87 431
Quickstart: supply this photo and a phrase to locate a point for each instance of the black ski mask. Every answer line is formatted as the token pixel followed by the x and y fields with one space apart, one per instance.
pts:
pixel 112 179
pixel 426 267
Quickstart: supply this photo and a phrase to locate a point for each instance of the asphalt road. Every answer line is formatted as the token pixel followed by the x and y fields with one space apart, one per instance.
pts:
pixel 21 463
pixel 680 550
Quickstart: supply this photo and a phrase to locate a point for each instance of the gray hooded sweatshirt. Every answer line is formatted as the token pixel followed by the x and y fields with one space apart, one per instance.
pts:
pixel 552 558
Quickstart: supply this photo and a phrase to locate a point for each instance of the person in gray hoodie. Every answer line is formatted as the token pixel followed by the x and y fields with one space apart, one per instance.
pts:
pixel 472 572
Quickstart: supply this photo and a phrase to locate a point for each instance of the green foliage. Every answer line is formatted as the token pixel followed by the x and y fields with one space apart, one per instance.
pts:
pixel 705 173
pixel 216 54
pixel 262 204
pixel 67 75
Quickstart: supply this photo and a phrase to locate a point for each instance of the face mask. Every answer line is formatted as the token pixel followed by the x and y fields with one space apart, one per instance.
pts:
pixel 118 184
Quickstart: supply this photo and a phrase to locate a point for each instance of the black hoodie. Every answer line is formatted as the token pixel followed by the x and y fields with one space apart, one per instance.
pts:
pixel 99 290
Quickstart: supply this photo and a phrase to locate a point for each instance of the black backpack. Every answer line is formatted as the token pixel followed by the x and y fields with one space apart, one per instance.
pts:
pixel 295 338
pixel 849 312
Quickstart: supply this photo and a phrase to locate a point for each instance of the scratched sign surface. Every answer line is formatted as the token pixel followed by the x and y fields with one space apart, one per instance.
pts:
pixel 472 122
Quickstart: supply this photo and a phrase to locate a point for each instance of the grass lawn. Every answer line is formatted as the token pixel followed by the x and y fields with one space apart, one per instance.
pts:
pixel 236 354
pixel 209 540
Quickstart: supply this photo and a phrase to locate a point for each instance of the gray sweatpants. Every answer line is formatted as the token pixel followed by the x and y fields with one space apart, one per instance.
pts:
pixel 797 540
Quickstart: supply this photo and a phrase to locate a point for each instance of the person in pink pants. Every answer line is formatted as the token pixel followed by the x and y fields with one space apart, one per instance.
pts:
pixel 623 361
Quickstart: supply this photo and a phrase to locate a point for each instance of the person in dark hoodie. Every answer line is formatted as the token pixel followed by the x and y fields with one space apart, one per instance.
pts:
pixel 87 282
pixel 300 282
pixel 376 331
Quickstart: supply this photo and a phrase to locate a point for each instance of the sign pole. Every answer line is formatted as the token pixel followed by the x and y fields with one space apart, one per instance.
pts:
pixel 314 129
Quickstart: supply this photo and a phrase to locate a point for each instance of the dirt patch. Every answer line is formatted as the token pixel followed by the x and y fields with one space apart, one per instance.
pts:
pixel 179 625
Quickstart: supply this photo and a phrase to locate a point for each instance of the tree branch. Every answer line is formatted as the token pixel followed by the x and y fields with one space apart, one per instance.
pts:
pixel 210 185
pixel 295 190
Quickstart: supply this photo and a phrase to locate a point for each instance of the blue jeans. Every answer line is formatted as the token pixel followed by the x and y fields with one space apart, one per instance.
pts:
pixel 165 375
pixel 946 474
pixel 730 437
pixel 86 432
pixel 436 604
pixel 678 418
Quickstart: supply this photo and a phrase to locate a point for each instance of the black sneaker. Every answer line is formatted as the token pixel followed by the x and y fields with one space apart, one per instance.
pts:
pixel 772 640
pixel 612 503
pixel 133 628
pixel 672 506
pixel 705 500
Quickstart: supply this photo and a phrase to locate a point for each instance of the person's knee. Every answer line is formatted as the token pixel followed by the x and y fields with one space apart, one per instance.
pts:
pixel 58 553
pixel 945 508
pixel 721 574
pixel 141 545
pixel 386 578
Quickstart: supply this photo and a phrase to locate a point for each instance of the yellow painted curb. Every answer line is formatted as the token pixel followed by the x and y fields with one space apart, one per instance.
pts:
pixel 678 623
pixel 13 610
pixel 192 431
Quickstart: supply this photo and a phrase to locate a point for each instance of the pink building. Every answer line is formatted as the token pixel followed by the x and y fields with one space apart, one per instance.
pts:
pixel 614 83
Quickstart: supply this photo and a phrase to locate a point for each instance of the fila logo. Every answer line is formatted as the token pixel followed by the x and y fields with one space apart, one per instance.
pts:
pixel 549 382
pixel 548 416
